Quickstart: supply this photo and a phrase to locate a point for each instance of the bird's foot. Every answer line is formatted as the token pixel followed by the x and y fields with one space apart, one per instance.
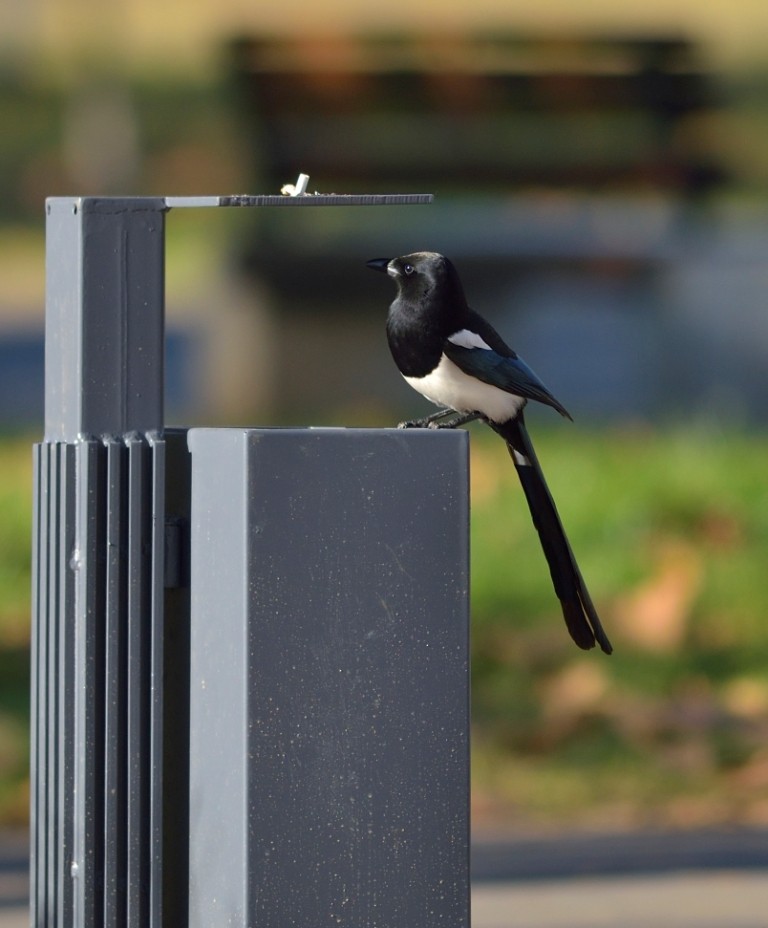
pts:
pixel 443 419
pixel 454 422
pixel 427 421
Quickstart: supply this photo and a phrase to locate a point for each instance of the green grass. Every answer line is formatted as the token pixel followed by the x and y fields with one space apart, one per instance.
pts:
pixel 671 531
pixel 15 540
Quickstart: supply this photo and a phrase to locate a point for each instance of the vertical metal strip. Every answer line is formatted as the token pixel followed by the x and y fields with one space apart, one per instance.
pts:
pixel 65 675
pixel 41 786
pixel 115 755
pixel 156 674
pixel 54 720
pixel 139 598
pixel 36 824
pixel 88 770
pixel 174 702
pixel 52 675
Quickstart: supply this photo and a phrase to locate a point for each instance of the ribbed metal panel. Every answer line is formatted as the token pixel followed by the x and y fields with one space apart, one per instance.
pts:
pixel 52 685
pixel 98 601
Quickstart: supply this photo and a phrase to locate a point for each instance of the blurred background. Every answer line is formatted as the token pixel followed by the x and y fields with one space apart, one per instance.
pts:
pixel 601 181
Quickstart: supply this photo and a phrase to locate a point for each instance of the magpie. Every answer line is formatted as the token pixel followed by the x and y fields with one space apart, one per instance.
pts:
pixel 455 358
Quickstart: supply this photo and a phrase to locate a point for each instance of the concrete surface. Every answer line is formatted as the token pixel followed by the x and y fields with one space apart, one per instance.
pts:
pixel 721 899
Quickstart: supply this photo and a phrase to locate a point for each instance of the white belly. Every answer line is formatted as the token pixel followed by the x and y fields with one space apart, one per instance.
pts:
pixel 448 385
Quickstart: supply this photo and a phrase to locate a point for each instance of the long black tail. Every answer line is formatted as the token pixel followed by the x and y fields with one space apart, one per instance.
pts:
pixel 578 610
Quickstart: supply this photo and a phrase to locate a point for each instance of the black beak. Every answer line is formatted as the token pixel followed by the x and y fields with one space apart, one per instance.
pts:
pixel 378 264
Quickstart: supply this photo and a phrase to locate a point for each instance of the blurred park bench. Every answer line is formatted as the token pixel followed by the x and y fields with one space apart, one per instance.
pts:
pixel 565 169
pixel 484 117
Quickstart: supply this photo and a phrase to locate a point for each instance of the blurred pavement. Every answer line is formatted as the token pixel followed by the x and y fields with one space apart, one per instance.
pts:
pixel 722 899
pixel 712 878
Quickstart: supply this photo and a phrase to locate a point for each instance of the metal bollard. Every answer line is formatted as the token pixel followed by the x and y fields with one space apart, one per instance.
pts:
pixel 111 763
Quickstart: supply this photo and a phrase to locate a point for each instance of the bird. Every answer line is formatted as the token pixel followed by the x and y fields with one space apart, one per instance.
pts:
pixel 456 359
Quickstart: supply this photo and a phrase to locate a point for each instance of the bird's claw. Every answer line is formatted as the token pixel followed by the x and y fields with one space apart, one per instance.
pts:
pixel 411 424
pixel 444 420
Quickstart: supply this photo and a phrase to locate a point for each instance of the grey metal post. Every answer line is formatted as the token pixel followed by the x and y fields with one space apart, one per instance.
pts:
pixel 110 662
pixel 329 755
pixel 104 317
pixel 99 576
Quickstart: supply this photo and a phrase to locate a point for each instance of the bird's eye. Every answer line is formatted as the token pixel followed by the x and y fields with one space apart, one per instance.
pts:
pixel 408 269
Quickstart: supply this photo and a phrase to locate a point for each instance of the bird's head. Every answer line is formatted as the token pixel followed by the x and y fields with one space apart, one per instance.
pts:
pixel 422 274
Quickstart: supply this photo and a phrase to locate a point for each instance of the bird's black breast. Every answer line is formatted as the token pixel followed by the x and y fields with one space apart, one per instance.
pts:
pixel 416 346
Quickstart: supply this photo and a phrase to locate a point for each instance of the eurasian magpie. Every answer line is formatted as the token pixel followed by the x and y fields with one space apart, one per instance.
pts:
pixel 456 359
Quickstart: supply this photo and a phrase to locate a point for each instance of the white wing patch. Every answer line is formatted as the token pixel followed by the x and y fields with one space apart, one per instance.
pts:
pixel 464 338
pixel 520 459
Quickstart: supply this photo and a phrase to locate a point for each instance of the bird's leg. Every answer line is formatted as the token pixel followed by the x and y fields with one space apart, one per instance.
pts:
pixel 459 419
pixel 427 421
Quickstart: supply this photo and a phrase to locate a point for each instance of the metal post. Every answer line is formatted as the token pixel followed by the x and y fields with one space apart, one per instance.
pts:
pixel 104 317
pixel 110 656
pixel 329 756
pixel 98 659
